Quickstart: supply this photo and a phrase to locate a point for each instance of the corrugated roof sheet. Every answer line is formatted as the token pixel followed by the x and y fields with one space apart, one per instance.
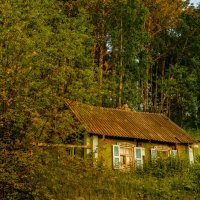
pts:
pixel 128 124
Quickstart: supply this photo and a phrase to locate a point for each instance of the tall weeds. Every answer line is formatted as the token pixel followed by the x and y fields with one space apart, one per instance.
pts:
pixel 84 180
pixel 51 175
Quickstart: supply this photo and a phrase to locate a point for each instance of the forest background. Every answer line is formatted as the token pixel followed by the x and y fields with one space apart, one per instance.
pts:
pixel 102 52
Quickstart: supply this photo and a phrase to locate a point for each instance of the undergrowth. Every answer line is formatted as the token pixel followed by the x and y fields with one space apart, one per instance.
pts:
pixel 47 176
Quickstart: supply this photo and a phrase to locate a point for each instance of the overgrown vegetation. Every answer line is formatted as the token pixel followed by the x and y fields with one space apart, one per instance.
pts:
pixel 102 52
pixel 50 174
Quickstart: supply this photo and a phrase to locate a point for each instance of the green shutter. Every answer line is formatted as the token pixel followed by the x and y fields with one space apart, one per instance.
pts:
pixel 174 154
pixel 138 151
pixel 116 156
pixel 153 153
pixel 191 155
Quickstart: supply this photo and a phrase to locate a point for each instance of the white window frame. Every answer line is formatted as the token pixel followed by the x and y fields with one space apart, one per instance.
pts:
pixel 139 160
pixel 191 155
pixel 152 154
pixel 95 146
pixel 128 156
pixel 116 157
pixel 174 153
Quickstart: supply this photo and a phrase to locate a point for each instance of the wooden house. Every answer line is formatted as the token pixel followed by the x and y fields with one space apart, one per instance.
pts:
pixel 123 138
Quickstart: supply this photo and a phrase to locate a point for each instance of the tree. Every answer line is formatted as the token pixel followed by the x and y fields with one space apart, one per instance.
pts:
pixel 186 56
pixel 127 37
pixel 173 81
pixel 163 15
pixel 45 56
pixel 119 37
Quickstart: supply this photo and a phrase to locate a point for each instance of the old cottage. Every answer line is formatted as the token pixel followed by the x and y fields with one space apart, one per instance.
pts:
pixel 123 138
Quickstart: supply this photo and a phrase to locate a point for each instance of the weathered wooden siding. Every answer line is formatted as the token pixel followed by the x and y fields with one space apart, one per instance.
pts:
pixel 106 154
pixel 105 150
pixel 197 150
pixel 182 151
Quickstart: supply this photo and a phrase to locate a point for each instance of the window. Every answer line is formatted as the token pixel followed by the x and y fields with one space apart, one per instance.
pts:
pixel 153 153
pixel 163 152
pixel 116 157
pixel 122 156
pixel 126 155
pixel 191 156
pixel 139 153
pixel 174 154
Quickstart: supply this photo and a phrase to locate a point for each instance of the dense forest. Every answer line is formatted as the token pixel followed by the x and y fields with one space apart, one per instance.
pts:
pixel 102 52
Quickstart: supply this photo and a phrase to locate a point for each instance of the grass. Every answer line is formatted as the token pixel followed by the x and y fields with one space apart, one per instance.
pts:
pixel 48 176
pixel 83 181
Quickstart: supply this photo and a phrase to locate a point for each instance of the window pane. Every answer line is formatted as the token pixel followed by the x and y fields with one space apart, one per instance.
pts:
pixel 116 151
pixel 153 153
pixel 122 151
pixel 116 160
pixel 162 154
pixel 138 153
pixel 191 156
pixel 174 153
pixel 128 151
pixel 138 163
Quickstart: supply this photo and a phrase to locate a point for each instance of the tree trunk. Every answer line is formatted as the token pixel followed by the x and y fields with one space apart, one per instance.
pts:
pixel 162 91
pixel 101 74
pixel 121 66
pixel 151 88
pixel 156 90
pixel 168 94
pixel 146 89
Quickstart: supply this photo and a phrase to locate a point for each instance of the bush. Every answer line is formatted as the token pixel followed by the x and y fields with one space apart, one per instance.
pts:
pixel 50 174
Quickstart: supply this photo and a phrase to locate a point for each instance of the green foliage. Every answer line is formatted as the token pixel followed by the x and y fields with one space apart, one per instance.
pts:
pixel 127 38
pixel 48 173
pixel 119 38
pixel 17 173
pixel 195 133
pixel 172 65
pixel 184 83
pixel 45 56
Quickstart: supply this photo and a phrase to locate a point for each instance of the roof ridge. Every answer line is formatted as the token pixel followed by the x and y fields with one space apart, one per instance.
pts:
pixel 111 108
pixel 129 124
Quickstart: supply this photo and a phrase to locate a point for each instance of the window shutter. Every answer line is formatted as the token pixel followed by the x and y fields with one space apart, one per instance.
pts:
pixel 191 156
pixel 116 156
pixel 143 151
pixel 174 154
pixel 138 156
pixel 153 153
pixel 95 146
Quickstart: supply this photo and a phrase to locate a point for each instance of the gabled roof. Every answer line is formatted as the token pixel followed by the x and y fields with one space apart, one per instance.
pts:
pixel 128 124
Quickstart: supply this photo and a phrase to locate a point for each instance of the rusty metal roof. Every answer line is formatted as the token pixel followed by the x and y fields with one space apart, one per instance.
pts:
pixel 128 124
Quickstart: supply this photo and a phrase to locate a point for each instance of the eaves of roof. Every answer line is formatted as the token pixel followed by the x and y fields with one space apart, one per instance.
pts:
pixel 127 124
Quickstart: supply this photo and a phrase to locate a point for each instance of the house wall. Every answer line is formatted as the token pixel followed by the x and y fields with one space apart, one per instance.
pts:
pixel 197 150
pixel 105 151
pixel 103 148
pixel 182 151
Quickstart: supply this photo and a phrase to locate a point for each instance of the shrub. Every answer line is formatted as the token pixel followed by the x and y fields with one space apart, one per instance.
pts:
pixel 50 174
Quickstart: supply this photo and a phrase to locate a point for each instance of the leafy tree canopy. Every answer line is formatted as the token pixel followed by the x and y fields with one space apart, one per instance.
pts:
pixel 45 55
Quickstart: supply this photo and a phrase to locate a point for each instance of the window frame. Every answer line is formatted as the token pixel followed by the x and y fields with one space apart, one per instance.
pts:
pixel 139 161
pixel 116 156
